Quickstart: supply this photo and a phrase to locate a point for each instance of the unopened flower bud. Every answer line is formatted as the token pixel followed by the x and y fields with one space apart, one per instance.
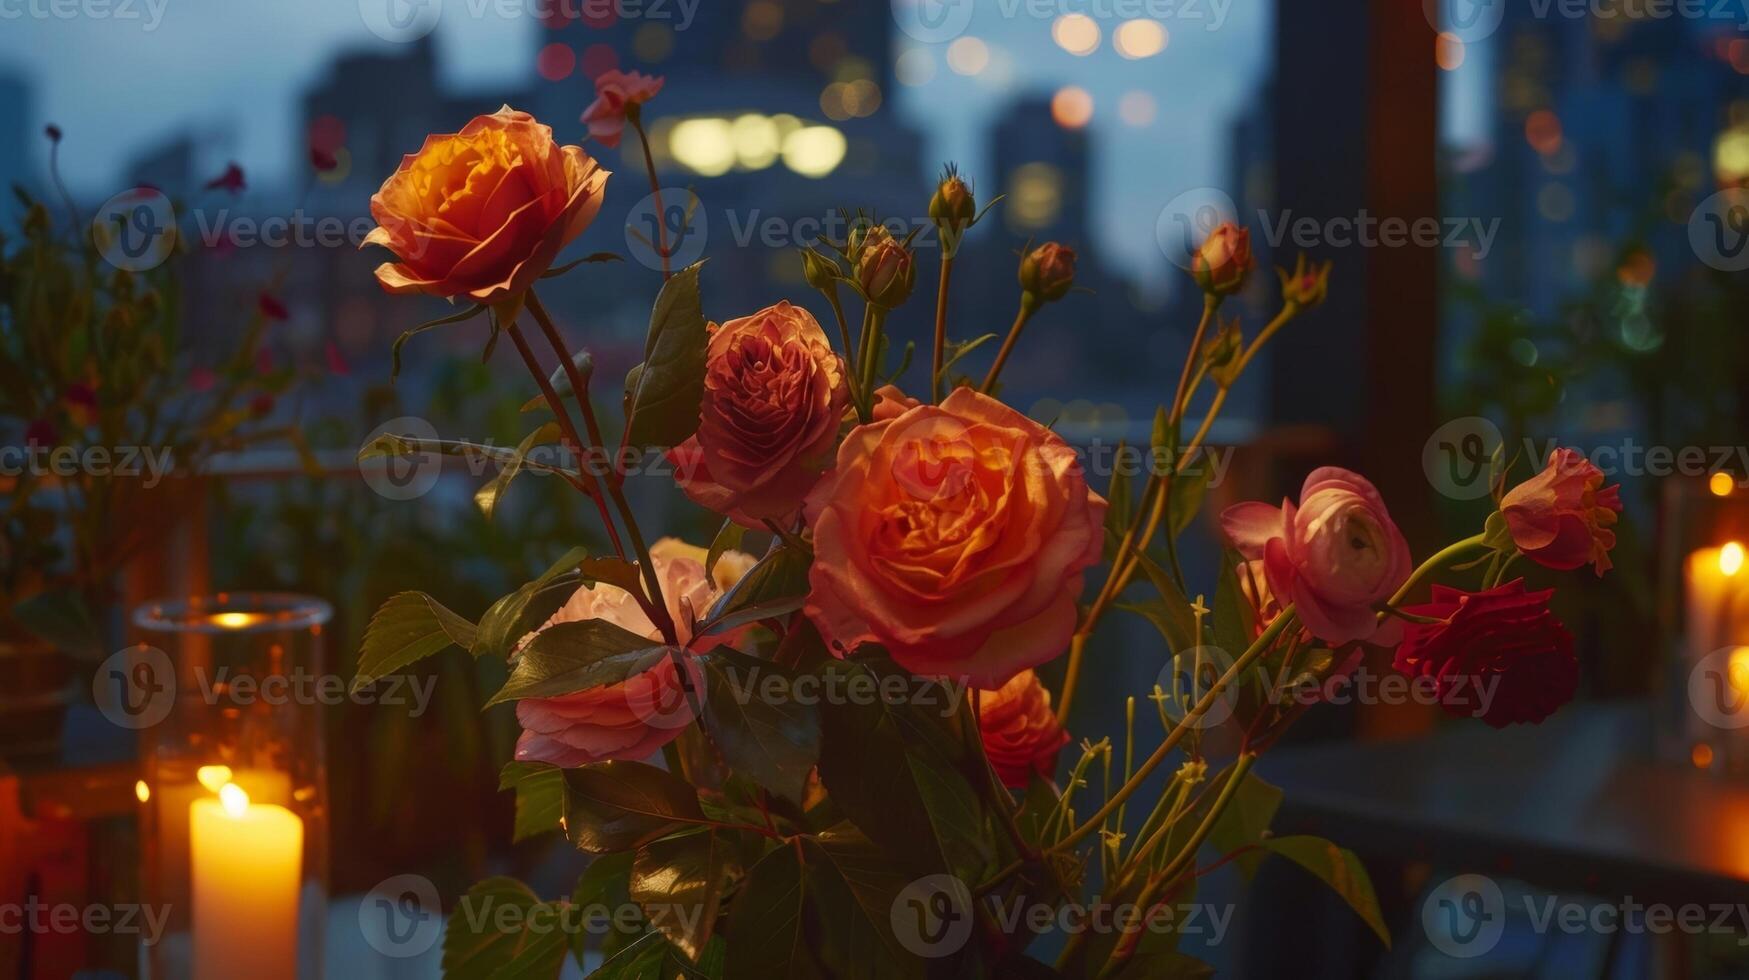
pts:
pixel 1224 353
pixel 1224 261
pixel 1048 272
pixel 953 205
pixel 885 269
pixel 820 271
pixel 1307 285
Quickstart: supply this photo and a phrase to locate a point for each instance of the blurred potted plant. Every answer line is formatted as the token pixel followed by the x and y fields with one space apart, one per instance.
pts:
pixel 98 406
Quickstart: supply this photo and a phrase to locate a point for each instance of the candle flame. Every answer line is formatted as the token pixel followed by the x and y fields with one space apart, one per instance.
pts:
pixel 1720 484
pixel 234 800
pixel 1731 558
pixel 213 778
pixel 235 620
pixel 142 791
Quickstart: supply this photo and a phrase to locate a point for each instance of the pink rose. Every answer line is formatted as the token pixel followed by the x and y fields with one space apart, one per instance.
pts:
pixel 615 91
pixel 633 719
pixel 1020 732
pixel 1336 556
pixel 1561 518
pixel 774 398
pixel 954 535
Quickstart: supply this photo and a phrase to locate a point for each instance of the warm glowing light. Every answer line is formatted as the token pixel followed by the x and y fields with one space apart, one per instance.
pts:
pixel 1137 39
pixel 968 56
pixel 1448 50
pixel 762 20
pixel 1072 107
pixel 914 67
pixel 1731 562
pixel 1077 34
pixel 814 151
pixel 1702 755
pixel 1731 156
pixel 1738 668
pixel 234 800
pixel 1035 195
pixel 756 141
pixel 1720 484
pixel 213 778
pixel 1136 108
pixel 141 791
pixel 1542 129
pixel 705 146
pixel 236 620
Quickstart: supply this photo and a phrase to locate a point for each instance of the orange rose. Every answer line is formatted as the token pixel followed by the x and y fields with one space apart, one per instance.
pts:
pixel 955 536
pixel 1020 732
pixel 774 396
pixel 483 212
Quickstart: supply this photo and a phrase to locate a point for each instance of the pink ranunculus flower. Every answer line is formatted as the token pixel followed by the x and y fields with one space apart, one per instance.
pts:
pixel 1561 518
pixel 954 535
pixel 1336 556
pixel 774 398
pixel 1020 732
pixel 614 91
pixel 633 719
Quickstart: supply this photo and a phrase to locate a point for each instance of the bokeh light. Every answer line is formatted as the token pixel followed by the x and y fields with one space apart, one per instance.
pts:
pixel 968 56
pixel 1077 34
pixel 915 67
pixel 1449 51
pixel 1072 107
pixel 1137 108
pixel 1137 39
pixel 814 151
pixel 556 61
pixel 705 146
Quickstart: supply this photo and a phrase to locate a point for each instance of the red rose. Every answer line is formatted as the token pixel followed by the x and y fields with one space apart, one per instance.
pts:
pixel 1020 732
pixel 1499 655
pixel 774 395
pixel 615 92
pixel 1561 518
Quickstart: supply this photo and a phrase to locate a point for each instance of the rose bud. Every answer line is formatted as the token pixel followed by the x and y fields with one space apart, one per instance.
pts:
pixel 953 209
pixel 1335 556
pixel 1048 272
pixel 774 395
pixel 1020 732
pixel 820 271
pixel 53 132
pixel 955 536
pixel 1224 261
pixel 482 213
pixel 1499 655
pixel 885 269
pixel 634 718
pixel 231 180
pixel 1307 285
pixel 617 94
pixel 1561 518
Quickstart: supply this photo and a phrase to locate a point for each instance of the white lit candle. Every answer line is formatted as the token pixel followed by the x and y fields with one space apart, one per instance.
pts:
pixel 1716 583
pixel 247 864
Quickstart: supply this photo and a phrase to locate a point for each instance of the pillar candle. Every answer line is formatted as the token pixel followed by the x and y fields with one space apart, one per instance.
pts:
pixel 247 863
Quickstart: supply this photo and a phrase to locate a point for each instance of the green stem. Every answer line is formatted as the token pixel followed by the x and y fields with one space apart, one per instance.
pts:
pixel 1028 306
pixel 1428 567
pixel 940 328
pixel 634 115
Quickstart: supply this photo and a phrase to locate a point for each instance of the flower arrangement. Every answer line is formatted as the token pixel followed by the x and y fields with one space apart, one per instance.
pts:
pixel 859 762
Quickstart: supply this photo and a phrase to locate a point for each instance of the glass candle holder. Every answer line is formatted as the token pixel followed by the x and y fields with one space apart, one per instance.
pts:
pixel 1704 611
pixel 233 788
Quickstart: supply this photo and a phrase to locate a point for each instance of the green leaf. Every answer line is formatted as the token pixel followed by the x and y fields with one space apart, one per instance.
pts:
pixel 767 931
pixel 776 586
pixel 1245 822
pixel 615 572
pixel 401 341
pixel 898 769
pixel 954 351
pixel 728 539
pixel 408 628
pixel 558 271
pixel 1171 614
pixel 1341 870
pixel 1120 499
pixel 576 656
pixel 618 806
pixel 1497 535
pixel 678 881
pixel 855 886
pixel 540 797
pixel 476 944
pixel 663 393
pixel 514 616
pixel 1188 489
pixel 62 619
pixel 1234 619
pixel 560 380
pixel 487 497
pixel 774 741
pixel 602 896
